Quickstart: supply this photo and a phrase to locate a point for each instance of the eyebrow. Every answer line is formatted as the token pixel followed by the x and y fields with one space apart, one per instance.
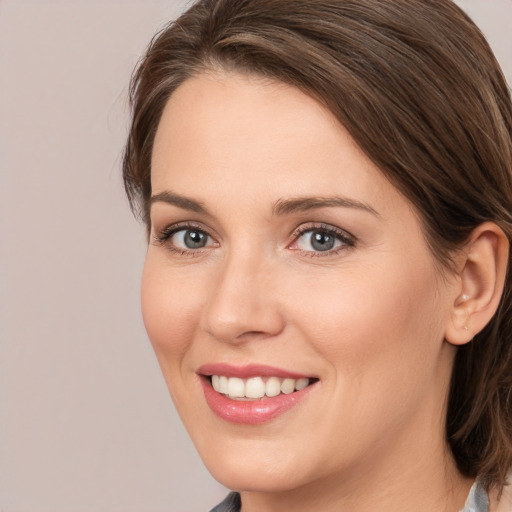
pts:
pixel 185 203
pixel 302 204
pixel 280 207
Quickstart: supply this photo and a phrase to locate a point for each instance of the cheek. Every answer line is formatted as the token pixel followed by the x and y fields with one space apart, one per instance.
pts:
pixel 368 321
pixel 381 335
pixel 170 310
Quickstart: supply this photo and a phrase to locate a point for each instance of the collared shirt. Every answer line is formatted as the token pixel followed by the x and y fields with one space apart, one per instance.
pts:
pixel 232 503
pixel 477 501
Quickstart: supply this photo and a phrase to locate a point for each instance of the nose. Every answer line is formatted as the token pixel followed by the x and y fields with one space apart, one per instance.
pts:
pixel 243 304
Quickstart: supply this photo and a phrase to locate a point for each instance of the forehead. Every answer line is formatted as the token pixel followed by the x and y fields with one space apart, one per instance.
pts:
pixel 236 135
pixel 218 110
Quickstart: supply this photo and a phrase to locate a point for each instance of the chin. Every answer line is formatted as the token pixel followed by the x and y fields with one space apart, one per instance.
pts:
pixel 257 466
pixel 253 477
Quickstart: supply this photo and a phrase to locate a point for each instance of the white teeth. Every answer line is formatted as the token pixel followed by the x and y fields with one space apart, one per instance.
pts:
pixel 273 387
pixel 256 387
pixel 301 384
pixel 236 387
pixel 223 385
pixel 288 386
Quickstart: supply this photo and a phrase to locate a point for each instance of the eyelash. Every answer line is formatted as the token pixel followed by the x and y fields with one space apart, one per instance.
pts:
pixel 163 237
pixel 347 240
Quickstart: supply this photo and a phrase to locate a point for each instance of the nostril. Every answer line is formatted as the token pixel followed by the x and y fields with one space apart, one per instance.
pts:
pixel 239 311
pixel 253 335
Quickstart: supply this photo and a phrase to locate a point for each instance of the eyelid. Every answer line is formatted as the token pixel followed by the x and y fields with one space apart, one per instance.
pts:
pixel 162 236
pixel 168 230
pixel 348 240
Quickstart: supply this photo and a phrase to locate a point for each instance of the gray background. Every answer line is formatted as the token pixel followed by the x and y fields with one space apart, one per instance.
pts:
pixel 86 424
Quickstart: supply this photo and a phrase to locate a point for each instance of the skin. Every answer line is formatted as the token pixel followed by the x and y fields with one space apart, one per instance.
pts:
pixel 369 318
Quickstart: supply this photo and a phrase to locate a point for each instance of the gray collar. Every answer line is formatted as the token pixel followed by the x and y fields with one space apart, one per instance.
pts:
pixel 477 499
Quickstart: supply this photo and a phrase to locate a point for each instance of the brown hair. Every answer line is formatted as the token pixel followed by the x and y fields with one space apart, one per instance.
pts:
pixel 417 86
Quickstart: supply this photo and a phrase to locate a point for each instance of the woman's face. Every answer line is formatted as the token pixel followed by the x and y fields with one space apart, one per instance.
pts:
pixel 281 256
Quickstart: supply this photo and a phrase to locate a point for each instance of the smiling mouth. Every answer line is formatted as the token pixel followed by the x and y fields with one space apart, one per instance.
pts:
pixel 254 388
pixel 252 394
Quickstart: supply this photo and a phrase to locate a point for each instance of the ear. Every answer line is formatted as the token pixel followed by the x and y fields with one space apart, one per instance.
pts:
pixel 482 271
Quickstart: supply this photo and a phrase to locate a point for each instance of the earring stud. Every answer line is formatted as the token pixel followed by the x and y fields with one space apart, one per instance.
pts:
pixel 465 296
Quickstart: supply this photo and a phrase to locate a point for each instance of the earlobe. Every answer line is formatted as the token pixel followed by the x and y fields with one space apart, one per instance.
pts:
pixel 483 269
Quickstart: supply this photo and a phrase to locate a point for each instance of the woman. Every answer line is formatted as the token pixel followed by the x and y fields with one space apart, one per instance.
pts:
pixel 327 190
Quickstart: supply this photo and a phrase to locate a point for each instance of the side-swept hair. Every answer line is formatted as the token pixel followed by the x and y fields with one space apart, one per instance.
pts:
pixel 417 86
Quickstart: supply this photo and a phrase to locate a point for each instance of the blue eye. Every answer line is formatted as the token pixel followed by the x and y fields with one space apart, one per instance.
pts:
pixel 315 240
pixel 184 239
pixel 189 239
pixel 321 239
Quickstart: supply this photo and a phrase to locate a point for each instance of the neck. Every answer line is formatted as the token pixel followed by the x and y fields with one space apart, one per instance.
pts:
pixel 416 474
pixel 422 487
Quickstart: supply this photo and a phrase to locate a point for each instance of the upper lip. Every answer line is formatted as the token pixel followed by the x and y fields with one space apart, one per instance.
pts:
pixel 249 370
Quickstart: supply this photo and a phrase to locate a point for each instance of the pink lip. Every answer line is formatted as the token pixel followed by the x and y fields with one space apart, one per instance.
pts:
pixel 250 370
pixel 249 412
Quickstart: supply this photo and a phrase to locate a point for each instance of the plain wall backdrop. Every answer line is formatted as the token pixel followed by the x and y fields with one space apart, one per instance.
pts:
pixel 86 423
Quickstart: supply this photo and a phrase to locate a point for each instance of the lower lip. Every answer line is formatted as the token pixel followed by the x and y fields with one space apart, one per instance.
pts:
pixel 251 412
